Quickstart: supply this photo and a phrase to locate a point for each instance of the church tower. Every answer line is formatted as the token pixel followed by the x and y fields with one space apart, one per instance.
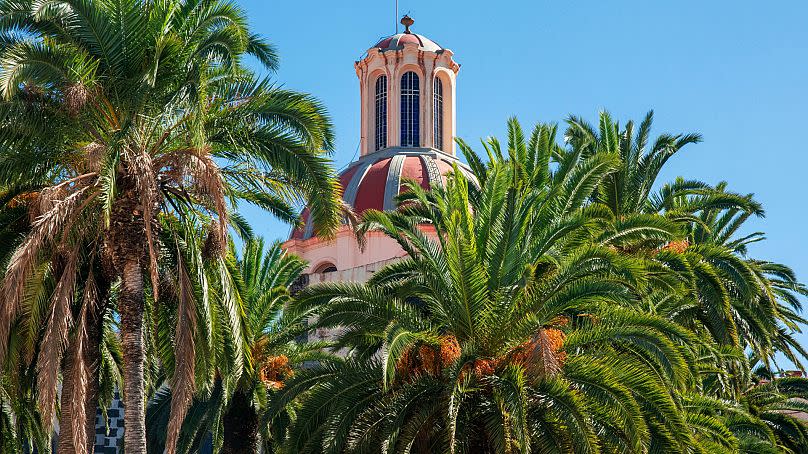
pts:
pixel 407 100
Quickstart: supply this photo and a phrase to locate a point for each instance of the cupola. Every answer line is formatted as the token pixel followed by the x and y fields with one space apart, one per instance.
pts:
pixel 407 86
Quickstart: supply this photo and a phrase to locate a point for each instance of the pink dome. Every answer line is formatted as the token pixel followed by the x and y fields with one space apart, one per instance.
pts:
pixel 398 41
pixel 376 179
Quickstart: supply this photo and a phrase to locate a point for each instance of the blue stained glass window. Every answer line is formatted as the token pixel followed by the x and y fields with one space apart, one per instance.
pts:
pixel 381 112
pixel 410 110
pixel 437 112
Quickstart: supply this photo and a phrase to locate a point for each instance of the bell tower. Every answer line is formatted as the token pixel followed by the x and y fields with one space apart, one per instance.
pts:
pixel 407 91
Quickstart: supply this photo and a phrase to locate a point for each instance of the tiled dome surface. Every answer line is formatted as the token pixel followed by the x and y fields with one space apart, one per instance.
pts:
pixel 373 181
pixel 398 40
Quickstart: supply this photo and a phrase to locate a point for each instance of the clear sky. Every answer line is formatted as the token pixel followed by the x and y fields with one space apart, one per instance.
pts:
pixel 734 71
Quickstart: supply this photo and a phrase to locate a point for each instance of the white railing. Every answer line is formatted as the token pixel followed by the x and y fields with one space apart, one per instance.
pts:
pixel 357 274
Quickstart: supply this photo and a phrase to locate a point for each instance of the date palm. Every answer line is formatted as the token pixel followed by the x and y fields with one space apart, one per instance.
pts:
pixel 771 317
pixel 234 410
pixel 627 190
pixel 61 313
pixel 264 277
pixel 761 297
pixel 767 418
pixel 728 295
pixel 781 406
pixel 508 330
pixel 151 101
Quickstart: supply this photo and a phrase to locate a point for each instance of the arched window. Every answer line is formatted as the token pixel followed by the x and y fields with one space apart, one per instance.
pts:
pixel 437 112
pixel 381 112
pixel 410 114
pixel 326 267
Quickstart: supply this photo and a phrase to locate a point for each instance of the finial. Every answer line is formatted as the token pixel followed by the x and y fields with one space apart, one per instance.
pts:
pixel 407 22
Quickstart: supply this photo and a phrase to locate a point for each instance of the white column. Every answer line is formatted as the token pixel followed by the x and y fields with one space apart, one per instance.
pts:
pixel 365 117
pixel 393 103
pixel 427 101
pixel 450 119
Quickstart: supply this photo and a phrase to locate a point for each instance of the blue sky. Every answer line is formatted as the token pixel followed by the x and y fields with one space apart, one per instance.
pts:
pixel 735 71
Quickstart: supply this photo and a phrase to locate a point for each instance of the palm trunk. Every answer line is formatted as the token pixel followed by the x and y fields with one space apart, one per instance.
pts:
pixel 91 410
pixel 66 428
pixel 240 426
pixel 96 331
pixel 132 342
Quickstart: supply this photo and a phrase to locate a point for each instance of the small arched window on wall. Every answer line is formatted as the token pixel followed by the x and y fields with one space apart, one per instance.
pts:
pixel 437 112
pixel 381 112
pixel 410 110
pixel 326 267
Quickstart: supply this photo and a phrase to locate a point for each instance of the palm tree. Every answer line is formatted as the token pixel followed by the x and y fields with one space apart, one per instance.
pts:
pixel 758 300
pixel 628 190
pixel 730 296
pixel 768 317
pixel 767 418
pixel 20 422
pixel 151 100
pixel 235 408
pixel 508 330
pixel 264 279
pixel 66 286
pixel 781 405
pixel 33 332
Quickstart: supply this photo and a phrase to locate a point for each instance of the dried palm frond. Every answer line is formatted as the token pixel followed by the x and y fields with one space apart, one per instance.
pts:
pixel 194 170
pixel 47 200
pixel 24 259
pixel 349 215
pixel 182 383
pixel 171 166
pixel 208 183
pixel 54 340
pixel 91 157
pixel 81 368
